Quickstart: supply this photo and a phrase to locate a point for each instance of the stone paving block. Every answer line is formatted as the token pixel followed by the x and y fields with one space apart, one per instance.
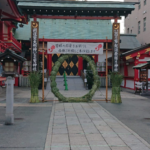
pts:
pixel 99 123
pixel 120 148
pixel 114 141
pixel 84 147
pixel 60 138
pixel 59 126
pixel 99 147
pixel 105 129
pixel 110 134
pixel 60 148
pixel 94 137
pixel 78 139
pixel 100 142
pixel 90 130
pixel 60 131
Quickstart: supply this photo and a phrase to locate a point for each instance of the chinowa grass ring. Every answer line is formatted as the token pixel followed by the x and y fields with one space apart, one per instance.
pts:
pixel 85 98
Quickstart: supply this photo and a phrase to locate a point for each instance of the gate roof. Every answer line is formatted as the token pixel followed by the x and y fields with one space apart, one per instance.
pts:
pixel 68 29
pixel 79 8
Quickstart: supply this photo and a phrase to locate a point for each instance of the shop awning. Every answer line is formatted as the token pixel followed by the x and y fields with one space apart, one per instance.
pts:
pixel 139 66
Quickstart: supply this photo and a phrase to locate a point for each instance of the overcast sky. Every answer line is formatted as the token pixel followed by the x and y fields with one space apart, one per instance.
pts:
pixel 122 28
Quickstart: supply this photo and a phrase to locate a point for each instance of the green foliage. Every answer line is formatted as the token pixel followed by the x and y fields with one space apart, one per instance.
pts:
pixel 116 80
pixel 35 78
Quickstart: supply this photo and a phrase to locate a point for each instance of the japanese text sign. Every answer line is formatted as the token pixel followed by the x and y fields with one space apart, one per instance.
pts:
pixel 34 44
pixel 74 48
pixel 116 47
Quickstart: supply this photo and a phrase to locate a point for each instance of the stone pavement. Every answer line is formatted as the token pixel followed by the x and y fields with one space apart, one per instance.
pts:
pixel 88 126
pixel 30 128
pixel 67 126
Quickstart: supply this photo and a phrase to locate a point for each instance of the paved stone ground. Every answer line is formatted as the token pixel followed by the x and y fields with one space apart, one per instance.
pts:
pixel 135 113
pixel 88 126
pixel 29 131
pixel 70 126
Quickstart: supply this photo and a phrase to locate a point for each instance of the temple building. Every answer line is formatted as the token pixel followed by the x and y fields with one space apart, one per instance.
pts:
pixel 74 22
pixel 61 23
pixel 10 17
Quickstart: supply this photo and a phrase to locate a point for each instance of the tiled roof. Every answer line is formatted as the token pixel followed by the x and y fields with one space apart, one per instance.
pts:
pixel 68 29
pixel 129 41
pixel 82 8
pixel 9 52
pixel 78 4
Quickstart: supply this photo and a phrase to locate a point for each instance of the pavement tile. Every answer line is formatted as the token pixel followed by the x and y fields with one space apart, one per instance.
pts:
pixel 114 141
pixel 94 137
pixel 120 148
pixel 60 131
pixel 84 147
pixel 60 138
pixel 99 147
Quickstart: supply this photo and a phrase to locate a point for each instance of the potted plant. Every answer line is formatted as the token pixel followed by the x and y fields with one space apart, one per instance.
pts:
pixel 116 80
pixel 34 79
pixel 89 76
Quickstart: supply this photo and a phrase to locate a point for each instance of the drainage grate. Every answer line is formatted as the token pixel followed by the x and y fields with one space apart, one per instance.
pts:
pixel 18 119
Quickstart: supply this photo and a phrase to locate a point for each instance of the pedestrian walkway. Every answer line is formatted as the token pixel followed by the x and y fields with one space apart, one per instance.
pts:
pixel 88 126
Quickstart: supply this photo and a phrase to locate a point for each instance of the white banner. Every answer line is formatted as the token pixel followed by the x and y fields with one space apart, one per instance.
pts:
pixel 74 48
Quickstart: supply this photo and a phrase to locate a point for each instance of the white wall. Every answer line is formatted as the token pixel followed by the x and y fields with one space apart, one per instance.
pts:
pixel 130 84
pixel 102 57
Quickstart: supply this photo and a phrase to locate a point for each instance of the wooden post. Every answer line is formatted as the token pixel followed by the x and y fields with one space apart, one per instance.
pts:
pixel 106 71
pixel 43 71
pixel 146 79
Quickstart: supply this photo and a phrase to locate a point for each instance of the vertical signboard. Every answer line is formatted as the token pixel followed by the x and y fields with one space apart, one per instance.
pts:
pixel 34 44
pixel 116 48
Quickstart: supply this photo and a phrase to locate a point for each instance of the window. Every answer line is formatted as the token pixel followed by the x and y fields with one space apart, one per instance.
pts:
pixel 139 23
pixel 144 2
pixel 128 30
pixel 139 4
pixel 9 66
pixel 144 24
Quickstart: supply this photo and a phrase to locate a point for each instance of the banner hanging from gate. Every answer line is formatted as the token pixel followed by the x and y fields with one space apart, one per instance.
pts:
pixel 34 44
pixel 74 48
pixel 116 47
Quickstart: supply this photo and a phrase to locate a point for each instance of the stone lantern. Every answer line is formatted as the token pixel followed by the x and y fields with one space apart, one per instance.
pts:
pixel 10 60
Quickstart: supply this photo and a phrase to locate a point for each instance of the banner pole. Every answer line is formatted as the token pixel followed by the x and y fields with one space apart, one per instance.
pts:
pixel 43 71
pixel 106 71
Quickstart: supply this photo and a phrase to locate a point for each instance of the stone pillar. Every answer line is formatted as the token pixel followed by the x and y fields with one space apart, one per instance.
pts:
pixel 9 101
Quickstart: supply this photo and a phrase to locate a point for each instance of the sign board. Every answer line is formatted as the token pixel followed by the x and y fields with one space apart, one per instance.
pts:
pixel 34 44
pixel 74 48
pixel 116 47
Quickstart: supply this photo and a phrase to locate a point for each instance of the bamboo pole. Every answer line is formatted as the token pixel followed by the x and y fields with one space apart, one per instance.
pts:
pixel 106 71
pixel 43 71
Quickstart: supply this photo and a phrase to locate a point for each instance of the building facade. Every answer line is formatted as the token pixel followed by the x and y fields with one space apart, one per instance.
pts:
pixel 10 18
pixel 138 21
